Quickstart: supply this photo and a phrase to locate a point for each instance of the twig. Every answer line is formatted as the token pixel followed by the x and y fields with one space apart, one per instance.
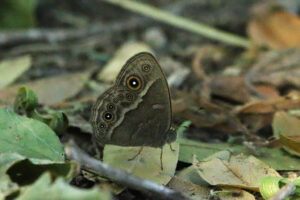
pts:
pixel 182 22
pixel 59 35
pixel 120 176
pixel 284 192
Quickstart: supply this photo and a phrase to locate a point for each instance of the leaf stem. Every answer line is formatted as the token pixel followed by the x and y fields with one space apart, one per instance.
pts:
pixel 183 23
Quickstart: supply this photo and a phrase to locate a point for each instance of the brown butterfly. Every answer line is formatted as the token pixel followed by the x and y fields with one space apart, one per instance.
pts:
pixel 136 110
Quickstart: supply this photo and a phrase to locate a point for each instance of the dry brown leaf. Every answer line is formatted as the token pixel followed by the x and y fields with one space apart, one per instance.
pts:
pixel 291 144
pixel 191 190
pixel 280 68
pixel 207 54
pixel 285 124
pixel 287 128
pixel 49 90
pixel 203 113
pixel 270 106
pixel 196 192
pixel 232 88
pixel 192 107
pixel 235 194
pixel 258 114
pixel 274 27
pixel 238 171
pixel 268 90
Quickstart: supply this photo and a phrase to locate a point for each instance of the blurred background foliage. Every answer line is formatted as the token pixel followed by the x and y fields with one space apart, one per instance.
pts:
pixel 17 13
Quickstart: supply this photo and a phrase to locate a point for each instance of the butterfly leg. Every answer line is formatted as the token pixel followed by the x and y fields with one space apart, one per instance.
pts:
pixel 161 157
pixel 136 155
pixel 172 148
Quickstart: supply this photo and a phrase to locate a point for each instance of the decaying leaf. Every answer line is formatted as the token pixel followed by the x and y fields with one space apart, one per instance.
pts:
pixel 278 68
pixel 60 189
pixel 237 171
pixel 289 102
pixel 232 88
pixel 287 128
pixel 190 174
pixel 274 27
pixel 113 67
pixel 258 114
pixel 228 193
pixel 49 90
pixel 191 190
pixel 196 192
pixel 285 124
pixel 291 144
pixel 147 164
pixel 201 112
pixel 11 69
pixel 204 114
pixel 275 157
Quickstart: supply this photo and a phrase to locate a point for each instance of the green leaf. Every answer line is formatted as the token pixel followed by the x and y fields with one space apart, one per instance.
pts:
pixel 28 137
pixel 45 189
pixel 269 186
pixel 182 128
pixel 11 69
pixel 147 164
pixel 25 100
pixel 275 157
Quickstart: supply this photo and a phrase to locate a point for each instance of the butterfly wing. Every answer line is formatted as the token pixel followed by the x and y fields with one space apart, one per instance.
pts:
pixel 139 104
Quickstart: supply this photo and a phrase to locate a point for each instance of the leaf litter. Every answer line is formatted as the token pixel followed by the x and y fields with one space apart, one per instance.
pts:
pixel 236 100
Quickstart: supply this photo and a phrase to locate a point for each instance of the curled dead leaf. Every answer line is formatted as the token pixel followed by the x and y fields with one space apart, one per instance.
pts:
pixel 274 27
pixel 238 171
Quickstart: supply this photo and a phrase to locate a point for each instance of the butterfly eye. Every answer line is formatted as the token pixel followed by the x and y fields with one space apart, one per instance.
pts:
pixel 146 67
pixel 133 83
pixel 110 107
pixel 108 116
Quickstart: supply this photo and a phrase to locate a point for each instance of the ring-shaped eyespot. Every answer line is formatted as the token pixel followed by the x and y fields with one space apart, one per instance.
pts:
pixel 110 106
pixel 102 126
pixel 146 67
pixel 107 116
pixel 133 82
pixel 129 97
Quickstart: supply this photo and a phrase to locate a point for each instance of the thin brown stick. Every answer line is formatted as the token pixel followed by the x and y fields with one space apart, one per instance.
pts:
pixel 60 35
pixel 119 176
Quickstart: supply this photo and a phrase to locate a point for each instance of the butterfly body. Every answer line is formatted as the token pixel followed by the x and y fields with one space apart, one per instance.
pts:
pixel 136 110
